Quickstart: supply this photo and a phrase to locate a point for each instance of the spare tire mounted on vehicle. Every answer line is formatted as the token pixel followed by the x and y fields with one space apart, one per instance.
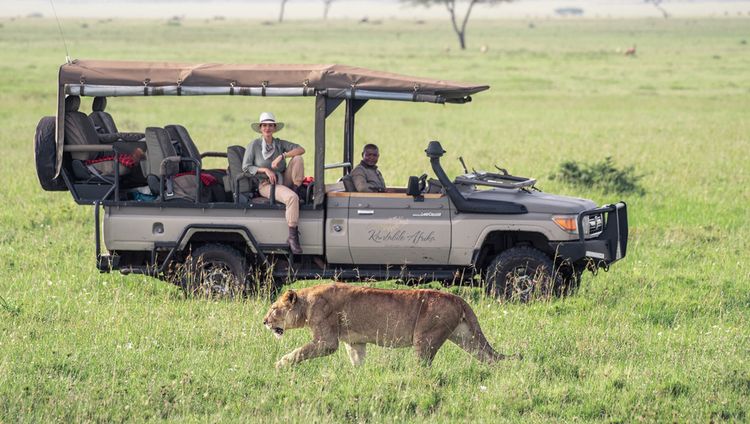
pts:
pixel 45 154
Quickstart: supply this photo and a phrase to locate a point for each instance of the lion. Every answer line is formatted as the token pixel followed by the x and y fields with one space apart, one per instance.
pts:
pixel 424 319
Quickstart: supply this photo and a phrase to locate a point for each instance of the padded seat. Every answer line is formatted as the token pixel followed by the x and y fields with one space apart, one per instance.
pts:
pixel 165 178
pixel 105 125
pixel 102 120
pixel 244 186
pixel 183 145
pixel 79 131
pixel 186 148
pixel 162 166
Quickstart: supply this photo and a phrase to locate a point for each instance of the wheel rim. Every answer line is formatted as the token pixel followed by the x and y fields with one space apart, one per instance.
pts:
pixel 216 279
pixel 523 281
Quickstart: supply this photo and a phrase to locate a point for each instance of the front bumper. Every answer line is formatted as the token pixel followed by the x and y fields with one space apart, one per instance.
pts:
pixel 608 247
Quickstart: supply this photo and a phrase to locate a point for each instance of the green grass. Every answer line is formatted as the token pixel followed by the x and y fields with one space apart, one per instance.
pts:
pixel 662 337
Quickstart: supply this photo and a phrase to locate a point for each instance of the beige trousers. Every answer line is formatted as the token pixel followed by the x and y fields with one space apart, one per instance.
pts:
pixel 293 176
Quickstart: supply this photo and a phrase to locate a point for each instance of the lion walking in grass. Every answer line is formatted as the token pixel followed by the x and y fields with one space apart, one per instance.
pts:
pixel 356 316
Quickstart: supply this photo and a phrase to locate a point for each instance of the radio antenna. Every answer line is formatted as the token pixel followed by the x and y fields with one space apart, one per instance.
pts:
pixel 62 36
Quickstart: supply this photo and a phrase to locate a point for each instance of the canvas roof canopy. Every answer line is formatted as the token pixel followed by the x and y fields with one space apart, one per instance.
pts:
pixel 319 77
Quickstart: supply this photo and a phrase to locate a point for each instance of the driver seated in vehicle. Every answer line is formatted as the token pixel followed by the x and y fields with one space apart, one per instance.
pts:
pixel 266 156
pixel 366 176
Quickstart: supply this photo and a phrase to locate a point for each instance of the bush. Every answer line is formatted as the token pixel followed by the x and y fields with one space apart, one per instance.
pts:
pixel 602 175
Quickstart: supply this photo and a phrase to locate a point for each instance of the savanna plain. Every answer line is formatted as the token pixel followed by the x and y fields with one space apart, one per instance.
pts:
pixel 661 337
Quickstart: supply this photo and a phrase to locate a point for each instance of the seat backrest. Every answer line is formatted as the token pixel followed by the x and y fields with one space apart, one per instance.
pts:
pixel 184 144
pixel 348 183
pixel 102 120
pixel 158 147
pixel 235 154
pixel 79 130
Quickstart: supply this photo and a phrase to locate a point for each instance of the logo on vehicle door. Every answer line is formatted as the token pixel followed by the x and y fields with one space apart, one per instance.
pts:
pixel 418 237
pixel 427 214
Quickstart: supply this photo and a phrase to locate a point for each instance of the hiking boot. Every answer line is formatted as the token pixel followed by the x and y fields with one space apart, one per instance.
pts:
pixel 293 241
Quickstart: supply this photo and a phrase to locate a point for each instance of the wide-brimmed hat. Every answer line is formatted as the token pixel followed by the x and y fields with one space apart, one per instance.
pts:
pixel 266 117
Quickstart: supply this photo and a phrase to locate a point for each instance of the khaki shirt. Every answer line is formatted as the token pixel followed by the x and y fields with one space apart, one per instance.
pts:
pixel 368 179
pixel 254 155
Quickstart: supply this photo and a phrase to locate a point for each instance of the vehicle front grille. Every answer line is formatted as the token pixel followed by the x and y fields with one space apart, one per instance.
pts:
pixel 593 225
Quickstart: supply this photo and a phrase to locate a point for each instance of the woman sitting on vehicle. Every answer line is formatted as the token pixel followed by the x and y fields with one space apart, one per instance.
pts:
pixel 266 156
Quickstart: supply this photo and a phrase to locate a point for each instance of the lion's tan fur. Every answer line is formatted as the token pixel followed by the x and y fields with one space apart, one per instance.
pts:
pixel 424 319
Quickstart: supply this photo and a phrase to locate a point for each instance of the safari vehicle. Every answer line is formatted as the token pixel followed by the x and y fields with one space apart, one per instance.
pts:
pixel 492 227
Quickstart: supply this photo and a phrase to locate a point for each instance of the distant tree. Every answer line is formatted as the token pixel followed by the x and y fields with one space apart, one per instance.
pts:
pixel 326 8
pixel 281 12
pixel 450 5
pixel 657 4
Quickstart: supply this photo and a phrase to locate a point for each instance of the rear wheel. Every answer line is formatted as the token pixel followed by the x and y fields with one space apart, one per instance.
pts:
pixel 217 271
pixel 522 274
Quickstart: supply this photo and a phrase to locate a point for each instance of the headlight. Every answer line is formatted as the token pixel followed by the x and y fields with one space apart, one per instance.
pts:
pixel 567 223
pixel 592 224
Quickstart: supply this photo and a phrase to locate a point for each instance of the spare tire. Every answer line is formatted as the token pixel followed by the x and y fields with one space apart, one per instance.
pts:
pixel 45 153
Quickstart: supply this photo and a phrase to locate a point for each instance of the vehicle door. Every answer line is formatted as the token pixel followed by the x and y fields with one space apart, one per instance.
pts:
pixel 397 229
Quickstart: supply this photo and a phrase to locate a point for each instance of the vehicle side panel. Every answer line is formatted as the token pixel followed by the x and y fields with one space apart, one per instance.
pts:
pixel 337 230
pixel 397 229
pixel 138 228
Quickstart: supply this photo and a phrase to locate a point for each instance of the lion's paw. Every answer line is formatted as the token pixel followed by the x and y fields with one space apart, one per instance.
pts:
pixel 285 361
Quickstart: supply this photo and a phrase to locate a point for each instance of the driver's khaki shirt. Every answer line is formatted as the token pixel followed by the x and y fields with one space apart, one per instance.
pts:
pixel 368 179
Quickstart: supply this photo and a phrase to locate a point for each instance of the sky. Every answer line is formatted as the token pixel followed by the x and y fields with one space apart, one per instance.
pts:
pixel 359 9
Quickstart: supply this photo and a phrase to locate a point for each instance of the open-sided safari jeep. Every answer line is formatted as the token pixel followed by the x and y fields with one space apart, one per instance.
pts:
pixel 164 213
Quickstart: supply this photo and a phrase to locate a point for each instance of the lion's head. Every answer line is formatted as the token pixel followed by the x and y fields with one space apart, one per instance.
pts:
pixel 286 313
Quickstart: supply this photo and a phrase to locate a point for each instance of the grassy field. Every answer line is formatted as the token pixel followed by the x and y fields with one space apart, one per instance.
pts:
pixel 664 336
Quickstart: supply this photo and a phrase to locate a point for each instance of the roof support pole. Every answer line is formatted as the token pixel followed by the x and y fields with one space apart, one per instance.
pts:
pixel 324 106
pixel 352 106
pixel 320 148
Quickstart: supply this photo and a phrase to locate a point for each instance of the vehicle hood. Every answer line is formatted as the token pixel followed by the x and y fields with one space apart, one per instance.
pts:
pixel 535 201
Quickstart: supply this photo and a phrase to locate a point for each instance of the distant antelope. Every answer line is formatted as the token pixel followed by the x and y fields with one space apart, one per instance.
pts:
pixel 630 51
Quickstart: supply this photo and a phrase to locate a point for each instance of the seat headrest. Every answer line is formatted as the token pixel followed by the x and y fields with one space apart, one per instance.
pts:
pixel 72 103
pixel 349 183
pixel 100 103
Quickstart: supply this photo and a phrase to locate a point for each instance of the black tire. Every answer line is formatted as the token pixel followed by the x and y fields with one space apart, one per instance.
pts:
pixel 45 155
pixel 522 274
pixel 215 271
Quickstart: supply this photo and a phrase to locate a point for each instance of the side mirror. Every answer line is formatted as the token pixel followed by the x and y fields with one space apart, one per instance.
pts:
pixel 412 189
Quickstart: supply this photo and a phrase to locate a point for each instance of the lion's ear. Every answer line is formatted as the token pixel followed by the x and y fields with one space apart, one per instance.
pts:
pixel 291 296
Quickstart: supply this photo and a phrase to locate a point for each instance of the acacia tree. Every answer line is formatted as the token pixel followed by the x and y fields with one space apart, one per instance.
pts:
pixel 450 5
pixel 326 7
pixel 657 4
pixel 281 12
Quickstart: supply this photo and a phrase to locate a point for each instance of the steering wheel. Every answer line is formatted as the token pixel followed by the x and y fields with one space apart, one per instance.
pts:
pixel 422 183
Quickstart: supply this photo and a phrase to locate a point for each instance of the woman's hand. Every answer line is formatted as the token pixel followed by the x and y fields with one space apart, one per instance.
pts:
pixel 277 161
pixel 270 174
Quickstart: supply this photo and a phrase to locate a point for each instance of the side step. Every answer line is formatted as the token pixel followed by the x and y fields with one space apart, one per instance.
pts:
pixel 367 274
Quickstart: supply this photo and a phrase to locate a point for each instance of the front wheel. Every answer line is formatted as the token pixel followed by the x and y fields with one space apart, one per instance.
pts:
pixel 522 274
pixel 216 270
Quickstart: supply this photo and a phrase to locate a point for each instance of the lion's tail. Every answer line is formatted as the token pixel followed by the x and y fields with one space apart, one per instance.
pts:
pixel 469 336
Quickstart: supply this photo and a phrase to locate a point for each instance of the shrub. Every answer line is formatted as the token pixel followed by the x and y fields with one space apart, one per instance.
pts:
pixel 603 175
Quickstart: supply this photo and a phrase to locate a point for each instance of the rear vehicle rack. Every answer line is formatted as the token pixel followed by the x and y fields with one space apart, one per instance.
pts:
pixel 495 180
